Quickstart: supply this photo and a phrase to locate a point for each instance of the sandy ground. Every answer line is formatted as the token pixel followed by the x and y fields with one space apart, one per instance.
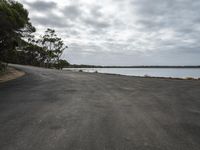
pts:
pixel 10 74
pixel 62 110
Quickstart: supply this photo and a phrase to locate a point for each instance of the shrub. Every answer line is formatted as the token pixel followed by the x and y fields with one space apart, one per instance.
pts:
pixel 3 67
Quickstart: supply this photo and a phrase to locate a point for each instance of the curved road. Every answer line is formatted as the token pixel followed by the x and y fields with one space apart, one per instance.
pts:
pixel 63 110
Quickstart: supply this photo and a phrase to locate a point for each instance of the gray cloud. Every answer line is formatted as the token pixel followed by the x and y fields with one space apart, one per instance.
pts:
pixel 41 5
pixel 179 16
pixel 72 12
pixel 176 14
pixel 95 23
pixel 54 21
pixel 129 32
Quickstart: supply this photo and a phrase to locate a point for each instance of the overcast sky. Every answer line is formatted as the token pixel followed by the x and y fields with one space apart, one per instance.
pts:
pixel 123 32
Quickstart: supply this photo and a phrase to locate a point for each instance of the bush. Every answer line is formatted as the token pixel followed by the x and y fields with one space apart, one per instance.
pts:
pixel 3 67
pixel 61 64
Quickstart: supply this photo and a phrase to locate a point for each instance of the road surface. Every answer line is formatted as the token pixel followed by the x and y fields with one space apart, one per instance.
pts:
pixel 62 110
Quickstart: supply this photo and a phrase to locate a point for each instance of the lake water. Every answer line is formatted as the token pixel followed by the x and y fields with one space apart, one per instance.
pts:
pixel 153 72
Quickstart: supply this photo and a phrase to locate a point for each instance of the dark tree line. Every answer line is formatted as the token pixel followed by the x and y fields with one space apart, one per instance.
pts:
pixel 18 44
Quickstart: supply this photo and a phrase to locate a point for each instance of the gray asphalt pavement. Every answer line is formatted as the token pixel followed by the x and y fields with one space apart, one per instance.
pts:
pixel 62 110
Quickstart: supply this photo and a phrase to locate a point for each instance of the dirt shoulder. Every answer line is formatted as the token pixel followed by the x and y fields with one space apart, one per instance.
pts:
pixel 10 74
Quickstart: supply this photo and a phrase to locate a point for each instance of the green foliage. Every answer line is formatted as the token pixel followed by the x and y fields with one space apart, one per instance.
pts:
pixel 53 46
pixel 14 17
pixel 18 45
pixel 31 55
pixel 61 64
pixel 14 24
pixel 3 67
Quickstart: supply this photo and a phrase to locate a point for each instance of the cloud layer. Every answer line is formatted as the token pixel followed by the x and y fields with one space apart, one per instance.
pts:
pixel 129 32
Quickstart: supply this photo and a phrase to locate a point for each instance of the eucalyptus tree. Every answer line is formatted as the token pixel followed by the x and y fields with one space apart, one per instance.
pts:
pixel 32 53
pixel 53 45
pixel 14 25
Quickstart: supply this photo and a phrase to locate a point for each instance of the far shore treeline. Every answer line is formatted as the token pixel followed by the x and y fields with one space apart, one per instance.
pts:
pixel 97 66
pixel 18 43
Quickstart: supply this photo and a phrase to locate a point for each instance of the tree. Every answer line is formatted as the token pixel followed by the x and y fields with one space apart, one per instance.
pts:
pixel 53 45
pixel 61 64
pixel 14 24
pixel 17 45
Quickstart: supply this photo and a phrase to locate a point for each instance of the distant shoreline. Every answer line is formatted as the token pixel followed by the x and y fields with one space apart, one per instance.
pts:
pixel 91 66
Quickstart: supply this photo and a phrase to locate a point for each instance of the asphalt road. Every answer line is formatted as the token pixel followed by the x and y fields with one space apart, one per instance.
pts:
pixel 62 110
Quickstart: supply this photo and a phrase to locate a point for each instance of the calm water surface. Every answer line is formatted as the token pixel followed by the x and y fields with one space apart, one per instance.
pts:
pixel 154 72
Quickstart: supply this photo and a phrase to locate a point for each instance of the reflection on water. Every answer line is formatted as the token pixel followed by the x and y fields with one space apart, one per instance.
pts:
pixel 154 72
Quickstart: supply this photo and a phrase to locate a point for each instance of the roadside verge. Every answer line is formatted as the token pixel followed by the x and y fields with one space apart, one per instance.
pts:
pixel 10 74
